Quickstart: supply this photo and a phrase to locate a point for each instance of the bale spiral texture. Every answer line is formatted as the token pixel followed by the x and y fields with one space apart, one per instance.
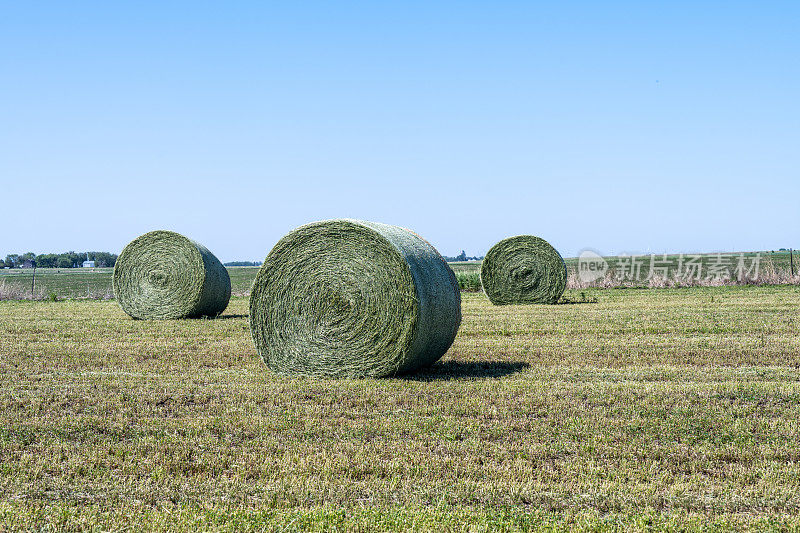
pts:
pixel 163 274
pixel 523 270
pixel 348 298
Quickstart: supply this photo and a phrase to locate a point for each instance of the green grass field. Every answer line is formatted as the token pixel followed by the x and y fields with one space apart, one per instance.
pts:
pixel 664 409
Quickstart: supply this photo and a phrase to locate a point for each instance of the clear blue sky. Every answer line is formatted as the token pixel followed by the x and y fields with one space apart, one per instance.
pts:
pixel 621 126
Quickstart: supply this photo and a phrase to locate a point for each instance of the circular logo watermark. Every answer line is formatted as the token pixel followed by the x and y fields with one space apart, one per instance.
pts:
pixel 591 266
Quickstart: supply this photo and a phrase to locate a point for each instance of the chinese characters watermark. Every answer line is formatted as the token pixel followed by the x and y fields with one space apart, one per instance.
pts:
pixel 682 267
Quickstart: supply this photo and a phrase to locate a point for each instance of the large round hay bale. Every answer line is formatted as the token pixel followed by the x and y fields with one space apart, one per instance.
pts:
pixel 523 270
pixel 163 274
pixel 348 298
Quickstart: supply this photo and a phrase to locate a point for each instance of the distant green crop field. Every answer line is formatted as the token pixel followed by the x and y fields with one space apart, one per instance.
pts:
pixel 64 282
pixel 96 282
pixel 242 279
pixel 662 409
pixel 466 266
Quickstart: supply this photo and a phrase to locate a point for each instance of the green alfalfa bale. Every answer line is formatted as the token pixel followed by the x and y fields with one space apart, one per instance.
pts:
pixel 164 275
pixel 523 270
pixel 349 298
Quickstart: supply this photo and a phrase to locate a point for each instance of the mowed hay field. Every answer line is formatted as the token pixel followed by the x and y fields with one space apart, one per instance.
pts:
pixel 650 408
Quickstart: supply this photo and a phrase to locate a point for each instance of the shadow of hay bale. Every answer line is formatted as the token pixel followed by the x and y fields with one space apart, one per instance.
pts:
pixel 463 370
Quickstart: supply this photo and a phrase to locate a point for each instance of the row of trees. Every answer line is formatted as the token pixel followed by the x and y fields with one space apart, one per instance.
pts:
pixel 65 260
pixel 462 257
pixel 242 263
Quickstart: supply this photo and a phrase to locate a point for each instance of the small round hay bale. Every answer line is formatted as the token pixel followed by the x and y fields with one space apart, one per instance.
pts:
pixel 349 298
pixel 163 275
pixel 523 270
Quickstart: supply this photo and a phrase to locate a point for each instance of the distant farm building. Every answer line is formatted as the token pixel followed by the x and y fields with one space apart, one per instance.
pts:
pixel 87 263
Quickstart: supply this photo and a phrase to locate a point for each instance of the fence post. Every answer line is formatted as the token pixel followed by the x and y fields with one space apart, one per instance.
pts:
pixel 791 260
pixel 33 281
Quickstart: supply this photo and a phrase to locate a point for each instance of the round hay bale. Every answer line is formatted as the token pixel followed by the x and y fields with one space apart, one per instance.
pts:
pixel 349 298
pixel 163 274
pixel 523 270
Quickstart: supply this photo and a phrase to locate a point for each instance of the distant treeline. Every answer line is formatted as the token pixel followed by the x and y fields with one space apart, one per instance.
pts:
pixel 242 264
pixel 462 257
pixel 65 260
